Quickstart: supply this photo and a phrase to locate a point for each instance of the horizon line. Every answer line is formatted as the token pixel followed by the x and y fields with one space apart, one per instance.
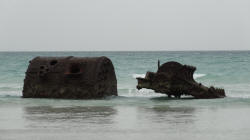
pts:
pixel 123 50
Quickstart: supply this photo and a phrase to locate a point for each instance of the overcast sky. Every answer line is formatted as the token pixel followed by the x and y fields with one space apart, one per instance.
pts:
pixel 113 25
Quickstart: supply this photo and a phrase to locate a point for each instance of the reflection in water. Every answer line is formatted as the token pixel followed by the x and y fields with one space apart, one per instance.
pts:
pixel 55 117
pixel 117 119
pixel 166 98
pixel 169 115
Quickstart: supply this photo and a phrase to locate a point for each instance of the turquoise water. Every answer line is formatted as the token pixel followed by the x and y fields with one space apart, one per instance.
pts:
pixel 133 114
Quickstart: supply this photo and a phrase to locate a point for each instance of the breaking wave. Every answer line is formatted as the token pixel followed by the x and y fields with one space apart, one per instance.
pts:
pixel 138 75
pixel 196 75
pixel 133 92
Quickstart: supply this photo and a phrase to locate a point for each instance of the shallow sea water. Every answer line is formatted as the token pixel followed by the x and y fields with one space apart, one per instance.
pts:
pixel 133 114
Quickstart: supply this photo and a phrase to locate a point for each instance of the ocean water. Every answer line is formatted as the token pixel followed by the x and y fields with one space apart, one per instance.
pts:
pixel 133 114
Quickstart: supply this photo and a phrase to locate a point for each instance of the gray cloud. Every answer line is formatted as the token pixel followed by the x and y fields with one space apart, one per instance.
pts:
pixel 89 25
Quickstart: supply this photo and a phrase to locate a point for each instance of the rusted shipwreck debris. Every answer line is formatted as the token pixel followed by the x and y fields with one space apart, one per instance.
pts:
pixel 70 77
pixel 173 78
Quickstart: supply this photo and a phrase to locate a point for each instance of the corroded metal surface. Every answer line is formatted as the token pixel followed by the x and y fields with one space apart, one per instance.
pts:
pixel 175 79
pixel 70 77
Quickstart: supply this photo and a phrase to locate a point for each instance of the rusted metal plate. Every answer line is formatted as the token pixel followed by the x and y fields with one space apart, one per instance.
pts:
pixel 175 79
pixel 70 77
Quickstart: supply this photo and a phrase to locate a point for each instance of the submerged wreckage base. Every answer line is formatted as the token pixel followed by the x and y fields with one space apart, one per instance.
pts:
pixel 173 78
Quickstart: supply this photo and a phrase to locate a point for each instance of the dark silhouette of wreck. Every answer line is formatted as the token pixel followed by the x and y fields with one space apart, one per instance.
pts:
pixel 173 78
pixel 70 77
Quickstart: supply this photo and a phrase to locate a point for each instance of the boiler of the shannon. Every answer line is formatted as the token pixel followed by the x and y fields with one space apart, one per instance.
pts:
pixel 70 78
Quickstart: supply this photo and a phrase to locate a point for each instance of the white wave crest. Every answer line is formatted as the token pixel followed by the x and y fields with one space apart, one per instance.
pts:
pixel 196 75
pixel 131 92
pixel 138 75
pixel 243 96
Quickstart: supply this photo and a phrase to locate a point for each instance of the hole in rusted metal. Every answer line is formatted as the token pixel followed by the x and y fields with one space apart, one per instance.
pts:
pixel 53 62
pixel 75 68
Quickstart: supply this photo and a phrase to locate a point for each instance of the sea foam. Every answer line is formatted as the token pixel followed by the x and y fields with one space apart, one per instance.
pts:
pixel 196 75
pixel 138 75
